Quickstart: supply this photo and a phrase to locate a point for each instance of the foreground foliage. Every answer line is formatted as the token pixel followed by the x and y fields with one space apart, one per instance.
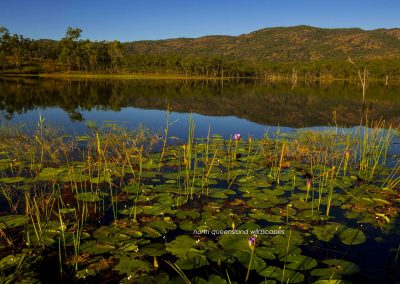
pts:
pixel 104 206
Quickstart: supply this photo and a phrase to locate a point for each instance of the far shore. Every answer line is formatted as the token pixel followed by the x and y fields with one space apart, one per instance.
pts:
pixel 130 76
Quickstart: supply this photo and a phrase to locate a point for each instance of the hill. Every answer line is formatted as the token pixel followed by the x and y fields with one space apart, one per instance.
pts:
pixel 299 43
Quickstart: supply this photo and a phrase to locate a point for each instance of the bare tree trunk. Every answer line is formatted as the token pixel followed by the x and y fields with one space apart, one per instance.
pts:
pixel 294 77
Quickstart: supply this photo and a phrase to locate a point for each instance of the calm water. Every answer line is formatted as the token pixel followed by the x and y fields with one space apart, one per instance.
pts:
pixel 246 107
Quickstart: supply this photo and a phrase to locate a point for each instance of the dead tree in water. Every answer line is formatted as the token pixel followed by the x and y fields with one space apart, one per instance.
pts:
pixel 363 77
pixel 294 77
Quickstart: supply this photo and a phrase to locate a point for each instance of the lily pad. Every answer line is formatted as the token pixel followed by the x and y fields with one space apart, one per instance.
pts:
pixel 350 236
pixel 12 221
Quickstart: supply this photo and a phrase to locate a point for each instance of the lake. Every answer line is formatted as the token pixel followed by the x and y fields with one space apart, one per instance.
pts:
pixel 246 107
pixel 320 208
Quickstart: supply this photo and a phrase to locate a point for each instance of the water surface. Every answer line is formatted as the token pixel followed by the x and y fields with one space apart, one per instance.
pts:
pixel 248 107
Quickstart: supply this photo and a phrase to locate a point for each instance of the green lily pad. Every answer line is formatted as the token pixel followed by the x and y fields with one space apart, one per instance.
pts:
pixel 11 179
pixel 12 221
pixel 155 249
pixel 132 266
pixel 88 197
pixel 9 261
pixel 94 247
pixel 350 236
pixel 162 226
pixel 327 232
pixel 342 266
pixel 301 262
pixel 181 246
pixel 192 260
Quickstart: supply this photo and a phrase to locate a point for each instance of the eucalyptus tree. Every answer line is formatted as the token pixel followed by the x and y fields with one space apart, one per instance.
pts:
pixel 69 47
pixel 4 42
pixel 116 53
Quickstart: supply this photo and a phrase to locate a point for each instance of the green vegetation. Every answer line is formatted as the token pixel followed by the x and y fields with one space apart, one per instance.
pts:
pixel 271 54
pixel 105 205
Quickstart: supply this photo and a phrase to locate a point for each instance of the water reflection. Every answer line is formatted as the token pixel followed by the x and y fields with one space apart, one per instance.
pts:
pixel 234 106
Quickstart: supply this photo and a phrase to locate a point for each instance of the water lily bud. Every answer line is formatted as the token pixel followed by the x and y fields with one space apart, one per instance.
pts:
pixel 348 152
pixel 252 243
pixel 233 225
pixel 155 263
pixel 309 183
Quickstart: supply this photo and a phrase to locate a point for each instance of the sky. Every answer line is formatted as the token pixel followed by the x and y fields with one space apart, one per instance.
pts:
pixel 130 20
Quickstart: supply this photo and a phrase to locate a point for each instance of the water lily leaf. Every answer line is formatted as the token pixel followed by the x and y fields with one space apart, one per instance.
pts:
pixel 9 261
pixel 234 242
pixel 332 281
pixel 159 278
pixel 187 225
pixel 74 177
pixel 270 272
pixel 301 262
pixel 84 273
pixel 150 232
pixel 11 179
pixel 192 260
pixel 132 188
pixel 343 267
pixel 88 197
pixel 325 273
pixel 259 204
pixel 350 236
pixel 275 191
pixel 5 164
pixel 265 253
pixel 165 200
pixel 181 246
pixel 129 265
pixel 157 209
pixel 182 214
pixel 94 247
pixel 244 258
pixel 213 224
pixel 49 174
pixel 12 221
pixel 215 279
pixel 327 232
pixel 162 226
pixel 155 249
pixel 290 276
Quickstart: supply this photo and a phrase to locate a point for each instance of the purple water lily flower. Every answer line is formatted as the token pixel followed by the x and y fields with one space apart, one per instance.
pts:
pixel 237 136
pixel 252 243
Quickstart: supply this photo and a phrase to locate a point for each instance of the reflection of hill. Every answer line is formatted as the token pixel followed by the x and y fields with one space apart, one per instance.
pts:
pixel 264 104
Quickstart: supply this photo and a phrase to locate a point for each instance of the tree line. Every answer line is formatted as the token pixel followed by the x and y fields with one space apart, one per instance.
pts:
pixel 19 54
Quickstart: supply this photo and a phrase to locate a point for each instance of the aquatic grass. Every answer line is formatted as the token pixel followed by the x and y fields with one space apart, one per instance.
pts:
pixel 397 253
pixel 330 190
pixel 166 130
pixel 375 139
pixel 393 178
pixel 286 255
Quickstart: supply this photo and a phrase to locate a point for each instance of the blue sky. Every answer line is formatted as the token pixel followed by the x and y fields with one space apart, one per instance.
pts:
pixel 129 20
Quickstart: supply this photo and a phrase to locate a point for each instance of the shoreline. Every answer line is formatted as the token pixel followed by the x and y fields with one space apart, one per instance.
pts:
pixel 128 76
